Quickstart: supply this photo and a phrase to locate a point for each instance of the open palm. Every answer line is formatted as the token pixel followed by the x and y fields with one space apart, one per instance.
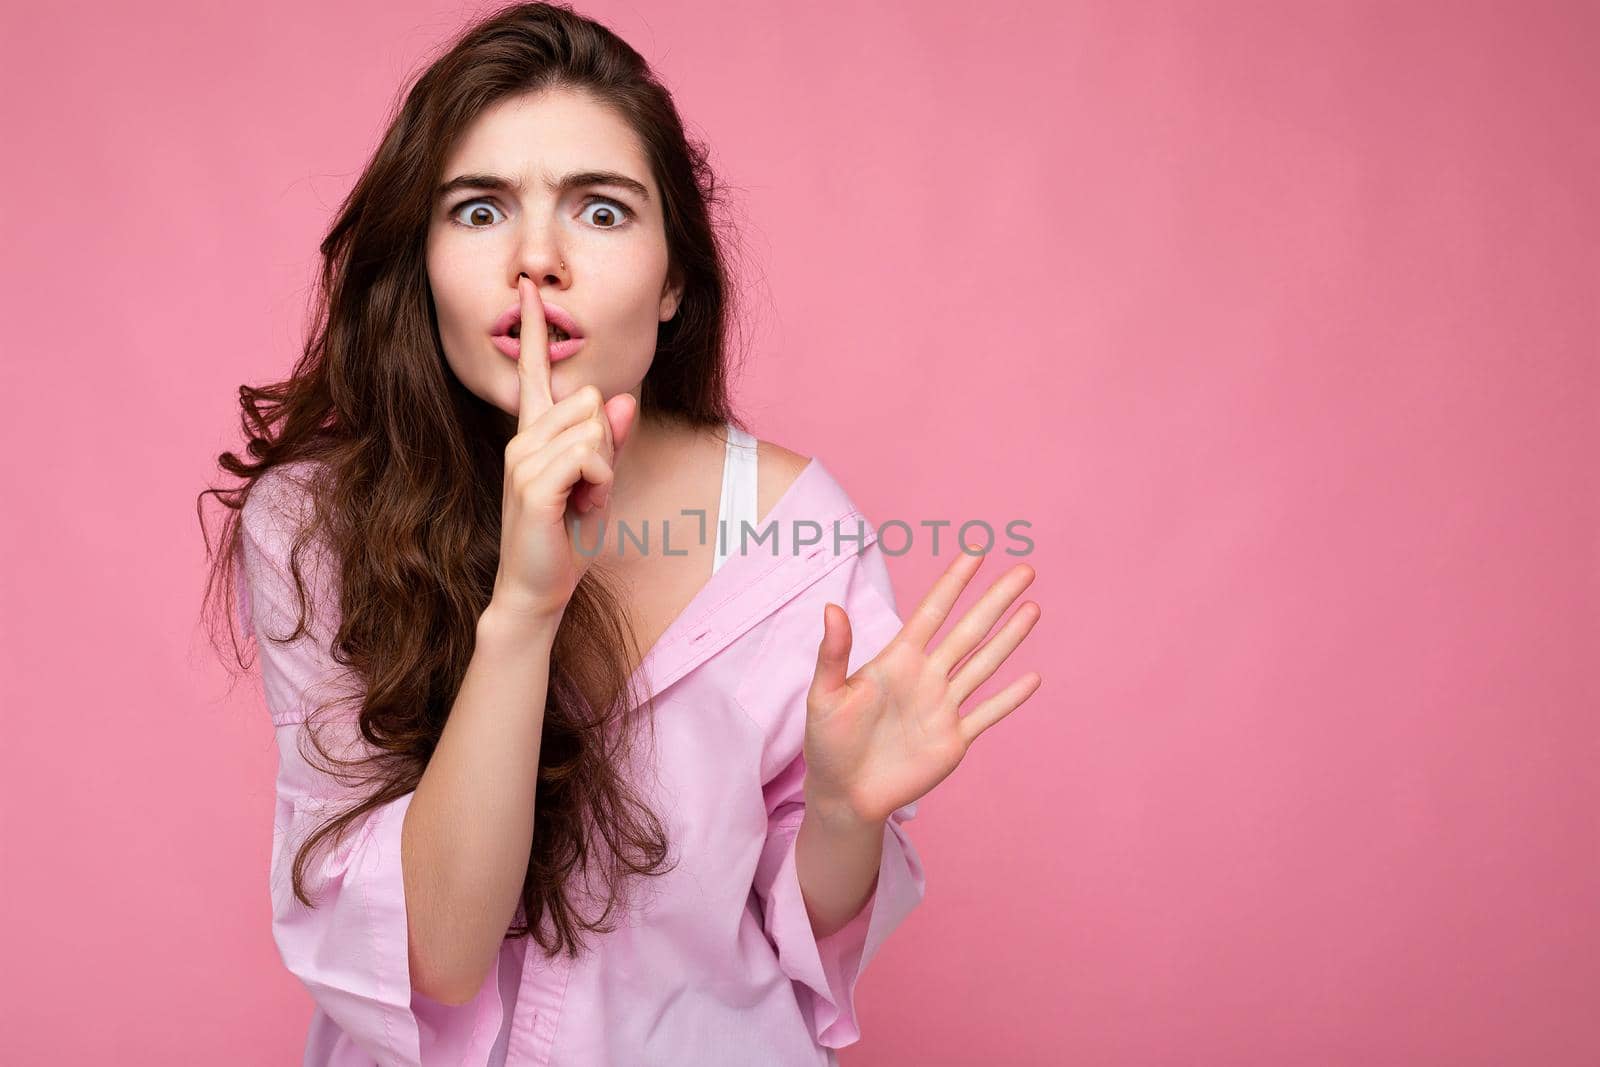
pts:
pixel 886 735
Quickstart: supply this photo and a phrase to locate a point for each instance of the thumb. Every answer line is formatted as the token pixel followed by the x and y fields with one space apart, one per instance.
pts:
pixel 622 412
pixel 833 654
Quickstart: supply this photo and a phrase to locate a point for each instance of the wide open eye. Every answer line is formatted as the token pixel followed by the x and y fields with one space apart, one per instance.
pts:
pixel 477 213
pixel 615 215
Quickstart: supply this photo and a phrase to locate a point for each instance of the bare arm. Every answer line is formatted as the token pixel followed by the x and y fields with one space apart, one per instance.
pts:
pixel 466 836
pixel 469 828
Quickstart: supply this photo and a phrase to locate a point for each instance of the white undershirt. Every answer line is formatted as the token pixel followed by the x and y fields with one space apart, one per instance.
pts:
pixel 738 503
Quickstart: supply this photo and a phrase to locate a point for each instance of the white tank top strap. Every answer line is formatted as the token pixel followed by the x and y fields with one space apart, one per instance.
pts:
pixel 738 503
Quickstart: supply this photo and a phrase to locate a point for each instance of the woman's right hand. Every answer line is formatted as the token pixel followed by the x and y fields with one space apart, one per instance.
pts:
pixel 561 461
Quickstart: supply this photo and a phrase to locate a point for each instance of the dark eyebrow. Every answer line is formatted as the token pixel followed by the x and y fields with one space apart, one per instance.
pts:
pixel 577 179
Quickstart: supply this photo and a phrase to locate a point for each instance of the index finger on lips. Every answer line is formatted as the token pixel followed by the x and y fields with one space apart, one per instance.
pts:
pixel 533 359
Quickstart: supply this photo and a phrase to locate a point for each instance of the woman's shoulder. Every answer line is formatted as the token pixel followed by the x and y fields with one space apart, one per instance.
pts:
pixel 278 497
pixel 776 469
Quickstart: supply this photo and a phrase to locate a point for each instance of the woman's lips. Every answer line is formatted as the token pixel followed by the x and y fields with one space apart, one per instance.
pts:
pixel 554 315
pixel 559 350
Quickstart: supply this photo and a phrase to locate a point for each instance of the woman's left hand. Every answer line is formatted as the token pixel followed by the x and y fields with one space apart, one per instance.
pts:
pixel 883 737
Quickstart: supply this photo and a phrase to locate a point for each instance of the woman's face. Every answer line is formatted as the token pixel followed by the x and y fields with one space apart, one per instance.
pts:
pixel 610 237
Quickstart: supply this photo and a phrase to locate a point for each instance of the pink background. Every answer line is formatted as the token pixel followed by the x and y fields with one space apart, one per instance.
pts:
pixel 1277 321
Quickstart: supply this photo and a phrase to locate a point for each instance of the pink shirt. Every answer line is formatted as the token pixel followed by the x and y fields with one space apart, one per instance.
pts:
pixel 723 967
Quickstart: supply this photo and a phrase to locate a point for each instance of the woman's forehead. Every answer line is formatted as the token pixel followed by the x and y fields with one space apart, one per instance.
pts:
pixel 539 137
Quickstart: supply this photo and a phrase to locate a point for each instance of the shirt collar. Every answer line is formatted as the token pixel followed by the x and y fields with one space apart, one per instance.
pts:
pixel 753 583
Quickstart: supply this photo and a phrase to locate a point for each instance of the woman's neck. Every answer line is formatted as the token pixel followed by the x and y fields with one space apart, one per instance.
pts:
pixel 658 447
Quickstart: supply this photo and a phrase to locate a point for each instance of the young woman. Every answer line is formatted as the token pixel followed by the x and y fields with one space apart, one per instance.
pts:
pixel 520 351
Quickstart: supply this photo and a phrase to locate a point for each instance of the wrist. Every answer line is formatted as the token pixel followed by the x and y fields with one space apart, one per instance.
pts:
pixel 517 623
pixel 837 813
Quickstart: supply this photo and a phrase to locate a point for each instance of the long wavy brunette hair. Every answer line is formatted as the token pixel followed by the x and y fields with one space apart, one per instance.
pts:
pixel 408 467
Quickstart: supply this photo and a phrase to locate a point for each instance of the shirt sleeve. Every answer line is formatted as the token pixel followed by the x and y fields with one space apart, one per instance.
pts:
pixel 351 951
pixel 825 971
